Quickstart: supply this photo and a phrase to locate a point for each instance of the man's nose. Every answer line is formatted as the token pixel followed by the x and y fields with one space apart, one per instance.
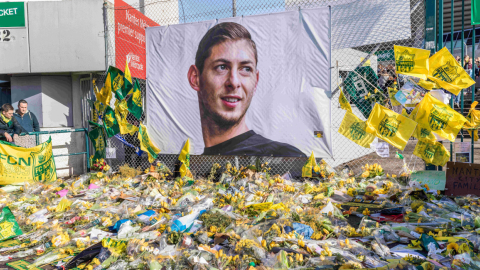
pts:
pixel 234 79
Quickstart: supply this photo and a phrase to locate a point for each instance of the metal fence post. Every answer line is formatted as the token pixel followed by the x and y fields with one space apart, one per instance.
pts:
pixel 439 46
pixel 463 56
pixel 87 149
pixel 105 29
pixel 451 50
pixel 473 86
pixel 440 24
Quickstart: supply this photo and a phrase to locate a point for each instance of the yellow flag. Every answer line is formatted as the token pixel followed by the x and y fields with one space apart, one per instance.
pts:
pixel 353 128
pixel 184 157
pixel 447 72
pixel 100 108
pixel 473 121
pixel 439 117
pixel 344 104
pixel 390 126
pixel 411 61
pixel 424 133
pixel 121 112
pixel 475 133
pixel 147 145
pixel 414 112
pixel 309 165
pixel 391 94
pixel 18 164
pixel 431 152
pixel 427 84
pixel 128 76
pixel 104 95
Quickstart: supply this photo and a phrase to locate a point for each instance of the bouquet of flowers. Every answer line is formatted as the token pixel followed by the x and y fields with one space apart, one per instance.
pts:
pixel 100 166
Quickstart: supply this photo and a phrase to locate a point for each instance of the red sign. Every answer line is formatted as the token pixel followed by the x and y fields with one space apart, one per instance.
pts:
pixel 462 179
pixel 130 40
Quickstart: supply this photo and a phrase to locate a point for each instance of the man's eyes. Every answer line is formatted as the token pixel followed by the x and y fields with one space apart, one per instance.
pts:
pixel 242 69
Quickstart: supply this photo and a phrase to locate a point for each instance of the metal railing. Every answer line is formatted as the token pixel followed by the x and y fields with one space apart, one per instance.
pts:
pixel 463 52
pixel 84 130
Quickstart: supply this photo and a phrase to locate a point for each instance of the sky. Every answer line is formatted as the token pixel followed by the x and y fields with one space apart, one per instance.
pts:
pixel 201 10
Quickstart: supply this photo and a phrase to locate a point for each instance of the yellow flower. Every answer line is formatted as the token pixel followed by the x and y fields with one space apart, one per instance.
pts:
pixel 452 246
pixel 99 174
pixel 301 243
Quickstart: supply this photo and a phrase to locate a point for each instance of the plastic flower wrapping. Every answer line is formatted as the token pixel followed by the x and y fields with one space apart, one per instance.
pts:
pixel 237 218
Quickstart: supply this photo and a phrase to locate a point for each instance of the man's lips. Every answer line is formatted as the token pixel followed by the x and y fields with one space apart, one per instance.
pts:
pixel 231 101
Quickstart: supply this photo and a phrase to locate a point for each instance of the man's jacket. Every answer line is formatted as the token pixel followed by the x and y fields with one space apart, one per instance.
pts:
pixel 11 128
pixel 28 121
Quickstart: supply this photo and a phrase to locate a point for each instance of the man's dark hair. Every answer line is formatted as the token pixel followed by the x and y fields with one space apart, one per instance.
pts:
pixel 7 107
pixel 218 34
pixel 22 101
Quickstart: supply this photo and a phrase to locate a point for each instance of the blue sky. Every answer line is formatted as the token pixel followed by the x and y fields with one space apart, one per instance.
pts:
pixel 202 10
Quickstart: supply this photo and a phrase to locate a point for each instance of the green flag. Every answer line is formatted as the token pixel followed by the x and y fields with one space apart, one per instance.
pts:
pixel 475 12
pixel 117 83
pixel 135 102
pixel 359 85
pixel 9 227
pixel 98 139
pixel 146 144
pixel 110 122
pixel 128 86
pixel 93 110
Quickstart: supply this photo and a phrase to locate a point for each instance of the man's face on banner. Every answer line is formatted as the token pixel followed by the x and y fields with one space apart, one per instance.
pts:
pixel 228 82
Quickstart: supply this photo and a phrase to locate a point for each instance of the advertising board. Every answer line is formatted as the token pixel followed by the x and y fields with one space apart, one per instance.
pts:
pixel 130 27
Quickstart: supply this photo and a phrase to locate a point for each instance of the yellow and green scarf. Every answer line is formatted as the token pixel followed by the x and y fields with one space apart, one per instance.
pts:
pixel 6 120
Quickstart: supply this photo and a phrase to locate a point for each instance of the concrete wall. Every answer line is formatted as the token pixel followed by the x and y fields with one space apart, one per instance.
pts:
pixel 48 97
pixel 15 52
pixel 70 39
pixel 30 89
pixel 60 36
pixel 57 107
pixel 51 99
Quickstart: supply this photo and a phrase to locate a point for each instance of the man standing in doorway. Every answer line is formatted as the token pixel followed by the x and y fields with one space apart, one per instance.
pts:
pixel 9 126
pixel 27 120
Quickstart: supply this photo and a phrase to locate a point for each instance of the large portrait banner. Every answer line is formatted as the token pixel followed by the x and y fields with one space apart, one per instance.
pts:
pixel 255 85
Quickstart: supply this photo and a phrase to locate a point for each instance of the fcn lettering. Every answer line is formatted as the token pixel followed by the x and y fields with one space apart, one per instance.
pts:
pixel 12 160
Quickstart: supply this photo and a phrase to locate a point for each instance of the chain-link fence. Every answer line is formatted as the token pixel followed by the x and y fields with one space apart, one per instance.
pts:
pixel 363 35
